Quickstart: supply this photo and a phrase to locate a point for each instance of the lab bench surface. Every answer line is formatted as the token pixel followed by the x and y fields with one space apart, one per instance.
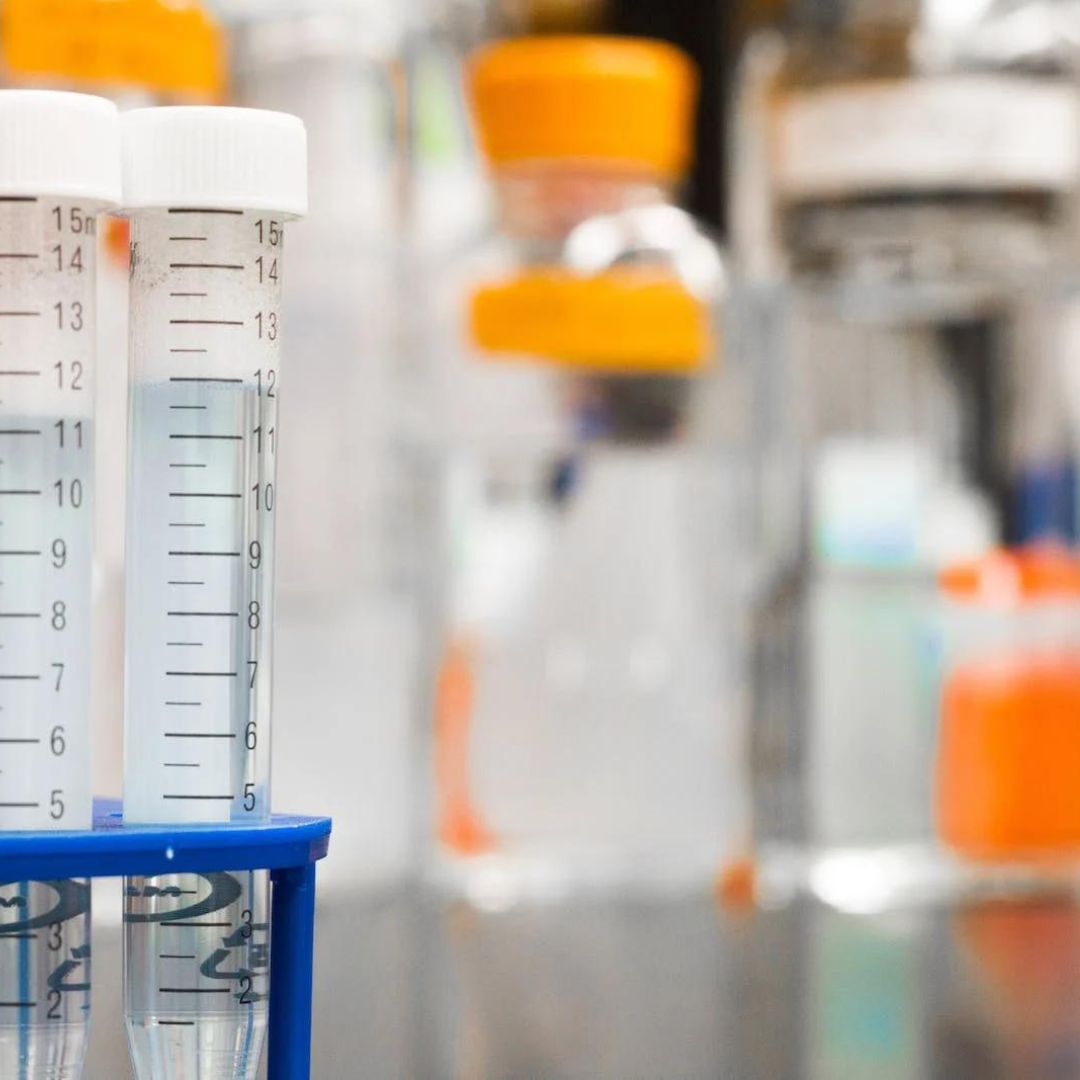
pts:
pixel 414 988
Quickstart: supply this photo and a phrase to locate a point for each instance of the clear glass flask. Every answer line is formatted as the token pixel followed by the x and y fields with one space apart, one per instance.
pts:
pixel 208 192
pixel 904 207
pixel 347 625
pixel 588 702
pixel 59 169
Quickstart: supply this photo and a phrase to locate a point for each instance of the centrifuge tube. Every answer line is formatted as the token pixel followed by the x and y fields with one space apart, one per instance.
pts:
pixel 208 192
pixel 59 168
pixel 44 979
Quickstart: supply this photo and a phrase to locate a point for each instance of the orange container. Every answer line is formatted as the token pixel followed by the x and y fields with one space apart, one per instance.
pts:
pixel 1008 778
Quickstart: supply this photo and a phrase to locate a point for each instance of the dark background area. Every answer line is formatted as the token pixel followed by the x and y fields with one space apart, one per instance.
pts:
pixel 712 31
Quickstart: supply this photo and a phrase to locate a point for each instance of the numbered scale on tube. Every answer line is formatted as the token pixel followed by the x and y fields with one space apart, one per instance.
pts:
pixel 205 297
pixel 46 509
pixel 208 192
pixel 59 169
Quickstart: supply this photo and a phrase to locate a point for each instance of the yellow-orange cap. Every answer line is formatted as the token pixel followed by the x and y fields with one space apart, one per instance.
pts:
pixel 166 47
pixel 1005 578
pixel 624 100
pixel 624 320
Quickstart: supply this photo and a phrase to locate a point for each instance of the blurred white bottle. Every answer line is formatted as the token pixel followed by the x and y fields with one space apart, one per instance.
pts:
pixel 904 204
pixel 346 630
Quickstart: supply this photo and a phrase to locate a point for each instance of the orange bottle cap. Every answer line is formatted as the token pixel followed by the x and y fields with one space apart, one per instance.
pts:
pixel 630 321
pixel 1009 578
pixel 622 100
pixel 164 47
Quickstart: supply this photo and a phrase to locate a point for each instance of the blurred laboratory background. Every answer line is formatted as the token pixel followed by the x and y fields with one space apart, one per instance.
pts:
pixel 678 584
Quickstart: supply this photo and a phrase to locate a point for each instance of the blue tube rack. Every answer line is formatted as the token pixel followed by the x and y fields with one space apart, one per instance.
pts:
pixel 289 847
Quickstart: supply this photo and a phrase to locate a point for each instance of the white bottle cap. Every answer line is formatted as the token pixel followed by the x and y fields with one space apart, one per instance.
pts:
pixel 56 143
pixel 214 158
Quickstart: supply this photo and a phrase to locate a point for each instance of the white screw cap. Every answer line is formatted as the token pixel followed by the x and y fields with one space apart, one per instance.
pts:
pixel 214 158
pixel 56 143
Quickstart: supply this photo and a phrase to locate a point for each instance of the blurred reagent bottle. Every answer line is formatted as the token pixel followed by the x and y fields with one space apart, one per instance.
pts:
pixel 905 197
pixel 588 713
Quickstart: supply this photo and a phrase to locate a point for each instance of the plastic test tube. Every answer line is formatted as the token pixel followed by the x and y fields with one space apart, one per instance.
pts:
pixel 208 191
pixel 59 168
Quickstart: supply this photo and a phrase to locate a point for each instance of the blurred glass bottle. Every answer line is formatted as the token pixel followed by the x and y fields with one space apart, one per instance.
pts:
pixel 905 199
pixel 135 52
pixel 588 713
pixel 346 624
